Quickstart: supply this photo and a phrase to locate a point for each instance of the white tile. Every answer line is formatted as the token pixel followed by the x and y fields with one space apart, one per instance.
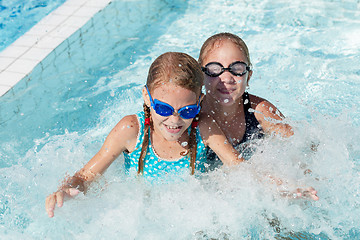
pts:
pixel 52 20
pixel 86 11
pixel 75 2
pixel 37 54
pixel 49 42
pixel 5 62
pixel 65 10
pixel 23 66
pixel 26 41
pixel 98 3
pixel 4 89
pixel 10 78
pixel 76 21
pixel 39 31
pixel 13 51
pixel 63 31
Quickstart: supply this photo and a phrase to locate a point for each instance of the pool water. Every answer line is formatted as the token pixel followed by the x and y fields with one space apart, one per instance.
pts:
pixel 305 56
pixel 17 17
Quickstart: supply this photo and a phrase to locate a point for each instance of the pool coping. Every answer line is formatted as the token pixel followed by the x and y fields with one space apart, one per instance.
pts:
pixel 22 56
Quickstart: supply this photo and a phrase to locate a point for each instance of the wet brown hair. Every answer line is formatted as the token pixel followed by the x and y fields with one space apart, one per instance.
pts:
pixel 181 70
pixel 214 40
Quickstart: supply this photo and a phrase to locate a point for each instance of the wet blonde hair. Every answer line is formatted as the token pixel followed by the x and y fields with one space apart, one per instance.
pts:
pixel 184 71
pixel 216 39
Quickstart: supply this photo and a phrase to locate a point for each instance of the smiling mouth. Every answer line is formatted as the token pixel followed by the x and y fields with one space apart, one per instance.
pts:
pixel 173 129
pixel 225 91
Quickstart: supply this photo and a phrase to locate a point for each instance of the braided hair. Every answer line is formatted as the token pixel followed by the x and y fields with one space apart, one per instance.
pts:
pixel 181 70
pixel 145 140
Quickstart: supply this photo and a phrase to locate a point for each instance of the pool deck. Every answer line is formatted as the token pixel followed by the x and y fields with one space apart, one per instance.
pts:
pixel 22 56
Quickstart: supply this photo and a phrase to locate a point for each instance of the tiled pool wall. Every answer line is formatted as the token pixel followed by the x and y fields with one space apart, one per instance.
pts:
pixel 30 50
pixel 71 85
pixel 64 37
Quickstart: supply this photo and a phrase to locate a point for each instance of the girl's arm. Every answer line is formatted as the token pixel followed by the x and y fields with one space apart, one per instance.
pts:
pixel 217 141
pixel 214 137
pixel 122 137
pixel 269 117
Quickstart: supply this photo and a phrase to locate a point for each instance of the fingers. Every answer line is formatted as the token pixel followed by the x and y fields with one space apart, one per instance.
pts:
pixel 308 193
pixel 51 200
pixel 311 192
pixel 50 204
pixel 57 198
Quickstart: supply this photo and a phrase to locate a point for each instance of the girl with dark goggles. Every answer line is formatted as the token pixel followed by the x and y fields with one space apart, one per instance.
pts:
pixel 165 110
pixel 215 69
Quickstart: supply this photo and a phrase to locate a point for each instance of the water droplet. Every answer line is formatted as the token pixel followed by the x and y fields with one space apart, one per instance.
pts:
pixel 246 101
pixel 226 100
pixel 225 113
pixel 184 144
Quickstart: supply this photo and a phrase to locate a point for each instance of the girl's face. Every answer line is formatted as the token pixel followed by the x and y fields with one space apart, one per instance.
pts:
pixel 172 127
pixel 227 88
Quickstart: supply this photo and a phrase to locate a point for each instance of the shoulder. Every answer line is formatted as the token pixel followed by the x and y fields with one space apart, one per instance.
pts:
pixel 126 131
pixel 264 109
pixel 269 117
pixel 128 125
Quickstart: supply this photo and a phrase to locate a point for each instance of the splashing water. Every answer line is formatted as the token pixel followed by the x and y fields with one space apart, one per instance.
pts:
pixel 299 65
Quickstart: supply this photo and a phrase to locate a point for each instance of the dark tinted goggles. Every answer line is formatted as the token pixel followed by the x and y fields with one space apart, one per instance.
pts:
pixel 165 110
pixel 215 69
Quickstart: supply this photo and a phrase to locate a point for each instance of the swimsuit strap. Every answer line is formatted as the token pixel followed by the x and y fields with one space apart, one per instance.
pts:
pixel 248 115
pixel 252 124
pixel 246 102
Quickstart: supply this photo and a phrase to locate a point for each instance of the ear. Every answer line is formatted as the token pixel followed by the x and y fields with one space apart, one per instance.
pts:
pixel 248 78
pixel 202 97
pixel 146 96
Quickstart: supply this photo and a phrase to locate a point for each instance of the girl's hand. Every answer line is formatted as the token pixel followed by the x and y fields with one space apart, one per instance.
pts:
pixel 58 198
pixel 309 193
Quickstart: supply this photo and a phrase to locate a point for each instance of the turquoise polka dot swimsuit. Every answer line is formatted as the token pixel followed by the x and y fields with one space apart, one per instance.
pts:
pixel 156 167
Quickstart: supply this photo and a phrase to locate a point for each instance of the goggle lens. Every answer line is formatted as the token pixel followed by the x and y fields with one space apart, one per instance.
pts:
pixel 215 69
pixel 165 110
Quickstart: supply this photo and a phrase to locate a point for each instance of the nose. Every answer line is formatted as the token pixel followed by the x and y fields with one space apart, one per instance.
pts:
pixel 175 117
pixel 227 77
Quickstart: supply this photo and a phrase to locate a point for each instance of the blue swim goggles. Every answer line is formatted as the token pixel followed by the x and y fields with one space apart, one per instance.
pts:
pixel 165 110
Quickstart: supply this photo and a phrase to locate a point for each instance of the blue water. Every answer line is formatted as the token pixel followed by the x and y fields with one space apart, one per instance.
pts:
pixel 305 56
pixel 18 16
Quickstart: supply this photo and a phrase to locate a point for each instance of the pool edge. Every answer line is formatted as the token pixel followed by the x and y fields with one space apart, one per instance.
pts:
pixel 19 59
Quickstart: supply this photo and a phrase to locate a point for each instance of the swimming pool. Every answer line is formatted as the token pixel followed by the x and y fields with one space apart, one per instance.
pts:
pixel 17 17
pixel 61 114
